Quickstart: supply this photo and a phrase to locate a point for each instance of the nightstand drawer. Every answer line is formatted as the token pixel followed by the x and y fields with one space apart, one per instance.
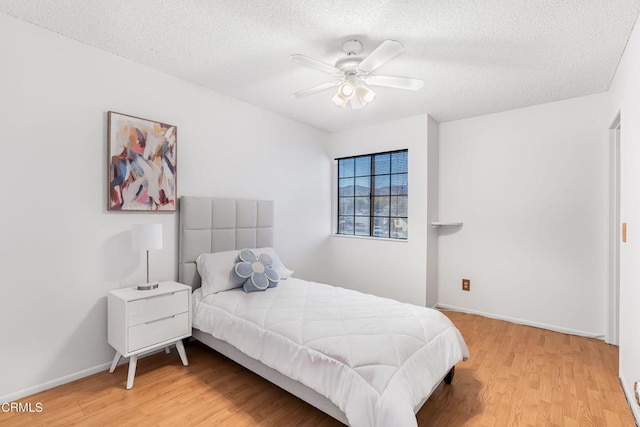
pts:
pixel 157 307
pixel 154 332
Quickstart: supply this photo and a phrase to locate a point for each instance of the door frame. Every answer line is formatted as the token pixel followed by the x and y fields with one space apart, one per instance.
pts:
pixel 613 291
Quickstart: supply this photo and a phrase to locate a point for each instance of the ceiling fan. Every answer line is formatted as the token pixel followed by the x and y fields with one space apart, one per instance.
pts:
pixel 354 74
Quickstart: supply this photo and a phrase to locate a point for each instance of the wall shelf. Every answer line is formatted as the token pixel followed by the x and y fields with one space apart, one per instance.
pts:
pixel 446 224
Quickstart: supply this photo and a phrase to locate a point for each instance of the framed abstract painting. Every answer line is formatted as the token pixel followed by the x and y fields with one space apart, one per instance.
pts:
pixel 142 164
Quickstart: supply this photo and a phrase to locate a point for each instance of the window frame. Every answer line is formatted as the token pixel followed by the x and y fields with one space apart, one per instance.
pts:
pixel 372 190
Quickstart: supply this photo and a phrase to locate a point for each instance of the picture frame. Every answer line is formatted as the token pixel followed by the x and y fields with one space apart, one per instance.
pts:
pixel 142 164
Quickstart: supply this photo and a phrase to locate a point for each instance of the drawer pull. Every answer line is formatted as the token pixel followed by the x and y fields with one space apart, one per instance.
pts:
pixel 157 320
pixel 155 297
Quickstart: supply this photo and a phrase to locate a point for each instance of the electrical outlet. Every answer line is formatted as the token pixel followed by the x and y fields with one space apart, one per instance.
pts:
pixel 466 284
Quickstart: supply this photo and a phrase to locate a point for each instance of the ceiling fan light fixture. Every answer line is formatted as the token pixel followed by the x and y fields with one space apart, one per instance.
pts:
pixel 346 90
pixel 339 100
pixel 365 95
pixel 355 74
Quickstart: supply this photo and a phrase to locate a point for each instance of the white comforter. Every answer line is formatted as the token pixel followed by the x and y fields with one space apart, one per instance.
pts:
pixel 374 358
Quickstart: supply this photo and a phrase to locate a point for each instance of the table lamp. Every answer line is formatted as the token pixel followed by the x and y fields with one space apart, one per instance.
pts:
pixel 146 237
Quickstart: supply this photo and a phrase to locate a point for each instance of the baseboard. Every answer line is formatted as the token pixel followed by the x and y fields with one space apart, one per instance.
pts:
pixel 12 397
pixel 522 321
pixel 631 400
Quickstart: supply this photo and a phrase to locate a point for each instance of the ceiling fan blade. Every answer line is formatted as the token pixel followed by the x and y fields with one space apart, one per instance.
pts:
pixel 395 82
pixel 314 63
pixel 315 89
pixel 387 50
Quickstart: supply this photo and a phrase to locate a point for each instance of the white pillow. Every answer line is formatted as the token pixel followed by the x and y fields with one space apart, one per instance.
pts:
pixel 215 271
pixel 278 266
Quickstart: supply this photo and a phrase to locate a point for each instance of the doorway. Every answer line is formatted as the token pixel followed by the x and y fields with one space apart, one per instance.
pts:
pixel 615 147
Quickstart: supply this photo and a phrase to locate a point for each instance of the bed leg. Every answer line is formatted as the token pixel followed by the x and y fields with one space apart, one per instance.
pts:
pixel 448 379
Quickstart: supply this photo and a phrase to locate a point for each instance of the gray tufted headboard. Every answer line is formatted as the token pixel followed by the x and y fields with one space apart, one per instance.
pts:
pixel 210 225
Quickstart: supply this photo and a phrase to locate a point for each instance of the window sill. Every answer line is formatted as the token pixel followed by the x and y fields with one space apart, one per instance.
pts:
pixel 384 239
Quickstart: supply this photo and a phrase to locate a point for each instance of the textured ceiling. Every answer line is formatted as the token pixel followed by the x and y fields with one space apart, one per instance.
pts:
pixel 476 57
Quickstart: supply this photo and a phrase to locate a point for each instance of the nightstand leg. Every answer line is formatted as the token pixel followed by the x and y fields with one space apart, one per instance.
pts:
pixel 182 353
pixel 133 362
pixel 116 359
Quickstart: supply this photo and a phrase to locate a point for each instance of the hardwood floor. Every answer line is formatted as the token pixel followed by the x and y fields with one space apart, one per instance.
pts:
pixel 516 376
pixel 523 376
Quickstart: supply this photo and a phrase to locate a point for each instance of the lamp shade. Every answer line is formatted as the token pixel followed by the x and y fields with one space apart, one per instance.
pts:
pixel 365 95
pixel 145 237
pixel 346 90
pixel 340 101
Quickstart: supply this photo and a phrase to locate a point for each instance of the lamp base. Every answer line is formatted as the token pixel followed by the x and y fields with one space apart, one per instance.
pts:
pixel 148 286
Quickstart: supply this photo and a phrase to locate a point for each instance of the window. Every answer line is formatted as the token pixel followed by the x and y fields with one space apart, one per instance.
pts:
pixel 373 195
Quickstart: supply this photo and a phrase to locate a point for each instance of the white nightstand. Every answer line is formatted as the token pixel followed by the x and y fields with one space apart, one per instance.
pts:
pixel 143 321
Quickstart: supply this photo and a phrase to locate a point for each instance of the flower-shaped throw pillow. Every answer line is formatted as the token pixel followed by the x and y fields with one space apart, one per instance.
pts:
pixel 254 273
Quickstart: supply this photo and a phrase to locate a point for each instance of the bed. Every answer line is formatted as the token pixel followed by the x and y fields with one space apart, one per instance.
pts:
pixel 364 360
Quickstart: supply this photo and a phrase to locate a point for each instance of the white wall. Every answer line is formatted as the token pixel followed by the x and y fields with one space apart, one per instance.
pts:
pixel 531 186
pixel 60 251
pixel 388 268
pixel 625 98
